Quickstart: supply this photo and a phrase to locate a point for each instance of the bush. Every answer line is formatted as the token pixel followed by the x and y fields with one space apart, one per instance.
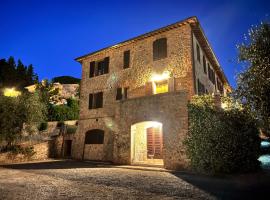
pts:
pixel 17 149
pixel 43 126
pixel 64 112
pixel 221 141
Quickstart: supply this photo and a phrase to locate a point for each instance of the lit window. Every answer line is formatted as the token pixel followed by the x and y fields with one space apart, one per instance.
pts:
pixel 161 87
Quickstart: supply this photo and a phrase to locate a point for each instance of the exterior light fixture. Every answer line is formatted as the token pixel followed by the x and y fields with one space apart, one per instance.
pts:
pixel 155 124
pixel 11 92
pixel 159 77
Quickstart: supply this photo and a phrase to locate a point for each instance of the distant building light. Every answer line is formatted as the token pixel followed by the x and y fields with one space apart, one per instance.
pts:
pixel 11 92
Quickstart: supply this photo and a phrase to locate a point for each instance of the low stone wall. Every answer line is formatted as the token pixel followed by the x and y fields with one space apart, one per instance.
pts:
pixel 41 153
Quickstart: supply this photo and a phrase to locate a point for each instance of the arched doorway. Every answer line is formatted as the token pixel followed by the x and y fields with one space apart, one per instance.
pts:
pixel 147 143
pixel 93 145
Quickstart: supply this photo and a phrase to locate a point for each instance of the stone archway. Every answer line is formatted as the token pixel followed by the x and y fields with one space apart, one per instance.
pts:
pixel 147 143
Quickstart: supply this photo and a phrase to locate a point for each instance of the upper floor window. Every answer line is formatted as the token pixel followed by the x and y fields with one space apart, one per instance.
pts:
pixel 121 93
pixel 160 87
pixel 95 136
pixel 211 75
pixel 204 65
pixel 160 48
pixel 198 52
pixel 201 88
pixel 95 100
pixel 219 86
pixel 126 59
pixel 99 67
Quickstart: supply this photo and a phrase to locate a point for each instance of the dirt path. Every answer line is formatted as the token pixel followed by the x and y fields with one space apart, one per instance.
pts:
pixel 78 180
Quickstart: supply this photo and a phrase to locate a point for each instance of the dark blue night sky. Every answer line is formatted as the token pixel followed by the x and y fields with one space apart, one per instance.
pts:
pixel 50 34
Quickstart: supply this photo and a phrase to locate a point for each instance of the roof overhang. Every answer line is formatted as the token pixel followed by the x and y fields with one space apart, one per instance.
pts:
pixel 141 37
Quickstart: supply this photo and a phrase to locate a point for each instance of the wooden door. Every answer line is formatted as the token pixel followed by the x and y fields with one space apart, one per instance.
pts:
pixel 154 143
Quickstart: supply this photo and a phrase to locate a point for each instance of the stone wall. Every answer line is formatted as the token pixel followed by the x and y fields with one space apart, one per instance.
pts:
pixel 170 109
pixel 42 151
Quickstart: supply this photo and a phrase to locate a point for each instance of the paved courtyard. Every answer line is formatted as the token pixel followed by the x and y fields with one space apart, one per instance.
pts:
pixel 82 180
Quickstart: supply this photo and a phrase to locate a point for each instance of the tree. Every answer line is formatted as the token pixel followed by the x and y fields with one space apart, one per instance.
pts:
pixel 253 83
pixel 19 76
pixel 16 112
pixel 66 80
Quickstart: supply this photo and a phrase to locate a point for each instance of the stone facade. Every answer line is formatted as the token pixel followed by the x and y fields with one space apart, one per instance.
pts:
pixel 115 118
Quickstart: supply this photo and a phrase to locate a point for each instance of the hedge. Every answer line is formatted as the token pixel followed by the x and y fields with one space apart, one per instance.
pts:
pixel 221 141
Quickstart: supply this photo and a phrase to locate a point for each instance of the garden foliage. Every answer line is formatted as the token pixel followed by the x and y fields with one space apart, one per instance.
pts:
pixel 221 141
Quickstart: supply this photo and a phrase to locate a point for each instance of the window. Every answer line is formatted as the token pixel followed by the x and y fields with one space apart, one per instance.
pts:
pixel 99 67
pixel 211 75
pixel 161 87
pixel 219 86
pixel 160 49
pixel 201 88
pixel 95 100
pixel 204 65
pixel 121 93
pixel 92 69
pixel 198 53
pixel 126 59
pixel 95 136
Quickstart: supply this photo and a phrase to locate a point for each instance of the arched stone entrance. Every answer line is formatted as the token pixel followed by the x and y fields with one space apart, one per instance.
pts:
pixel 147 143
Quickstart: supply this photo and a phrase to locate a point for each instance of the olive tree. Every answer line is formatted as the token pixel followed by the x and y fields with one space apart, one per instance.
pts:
pixel 17 113
pixel 253 83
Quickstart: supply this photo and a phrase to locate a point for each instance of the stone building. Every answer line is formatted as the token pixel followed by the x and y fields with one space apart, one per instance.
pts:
pixel 134 95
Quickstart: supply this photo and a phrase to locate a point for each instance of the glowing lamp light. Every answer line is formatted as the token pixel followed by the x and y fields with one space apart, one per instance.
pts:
pixel 155 124
pixel 159 77
pixel 11 92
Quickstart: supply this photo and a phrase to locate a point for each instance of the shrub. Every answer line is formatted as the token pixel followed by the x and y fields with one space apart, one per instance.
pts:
pixel 17 149
pixel 221 141
pixel 64 112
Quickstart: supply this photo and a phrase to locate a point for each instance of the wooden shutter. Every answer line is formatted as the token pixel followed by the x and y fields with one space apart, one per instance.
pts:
pixel 90 101
pixel 155 50
pixel 154 143
pixel 126 59
pixel 150 143
pixel 162 48
pixel 92 69
pixel 198 53
pixel 158 143
pixel 119 94
pixel 204 64
pixel 99 100
pixel 106 65
pixel 209 72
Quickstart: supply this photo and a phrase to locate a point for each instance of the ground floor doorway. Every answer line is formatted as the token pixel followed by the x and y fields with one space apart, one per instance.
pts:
pixel 147 143
pixel 67 148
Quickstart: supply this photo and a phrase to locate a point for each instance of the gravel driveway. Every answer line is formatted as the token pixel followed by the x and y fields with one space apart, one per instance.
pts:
pixel 82 180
